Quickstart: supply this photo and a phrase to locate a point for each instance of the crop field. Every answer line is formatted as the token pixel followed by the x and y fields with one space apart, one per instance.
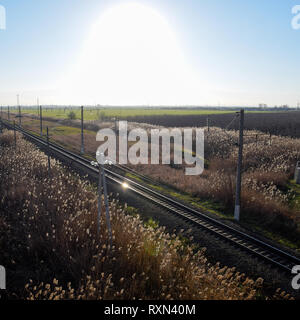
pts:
pixel 120 113
pixel 284 123
pixel 278 123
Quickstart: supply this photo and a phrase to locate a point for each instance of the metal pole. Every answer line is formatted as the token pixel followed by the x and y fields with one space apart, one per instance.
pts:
pixel 106 206
pixel 208 123
pixel 48 145
pixel 41 121
pixel 48 137
pixel 15 135
pixel 117 140
pixel 18 99
pixel 82 135
pixel 239 170
pixel 1 121
pixel 99 200
pixel 8 114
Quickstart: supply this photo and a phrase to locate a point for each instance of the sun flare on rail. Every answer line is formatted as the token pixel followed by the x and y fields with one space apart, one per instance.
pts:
pixel 132 57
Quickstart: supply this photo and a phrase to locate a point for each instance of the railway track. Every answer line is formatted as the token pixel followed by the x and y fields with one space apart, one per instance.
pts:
pixel 254 246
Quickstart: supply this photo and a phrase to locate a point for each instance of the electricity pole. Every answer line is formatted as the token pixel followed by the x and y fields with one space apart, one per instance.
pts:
pixel 106 205
pixel 99 201
pixel 48 147
pixel 15 135
pixel 8 114
pixel 117 139
pixel 102 184
pixel 38 106
pixel 82 135
pixel 18 101
pixel 208 123
pixel 41 121
pixel 237 208
pixel 116 128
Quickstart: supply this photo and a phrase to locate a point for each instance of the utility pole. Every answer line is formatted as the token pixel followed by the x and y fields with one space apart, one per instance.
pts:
pixel 106 205
pixel 15 135
pixel 82 135
pixel 208 123
pixel 48 145
pixel 18 101
pixel 41 122
pixel 116 126
pixel 237 208
pixel 99 201
pixel 102 183
pixel 117 139
pixel 8 114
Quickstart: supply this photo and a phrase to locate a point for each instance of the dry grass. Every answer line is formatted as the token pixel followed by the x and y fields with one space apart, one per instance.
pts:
pixel 267 170
pixel 51 250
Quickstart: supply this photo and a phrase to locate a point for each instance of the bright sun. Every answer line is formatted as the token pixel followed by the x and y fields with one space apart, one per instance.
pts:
pixel 131 57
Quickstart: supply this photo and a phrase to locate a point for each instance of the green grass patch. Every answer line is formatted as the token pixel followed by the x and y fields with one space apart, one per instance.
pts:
pixel 66 130
pixel 122 113
pixel 151 223
pixel 277 238
pixel 131 211
pixel 204 205
pixel 132 176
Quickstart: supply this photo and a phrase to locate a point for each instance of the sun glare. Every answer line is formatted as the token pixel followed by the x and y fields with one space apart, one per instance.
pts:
pixel 132 57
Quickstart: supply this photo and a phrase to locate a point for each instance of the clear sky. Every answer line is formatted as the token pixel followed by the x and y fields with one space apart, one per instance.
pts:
pixel 150 52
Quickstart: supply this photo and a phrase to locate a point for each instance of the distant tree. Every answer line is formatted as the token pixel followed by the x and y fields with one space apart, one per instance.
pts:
pixel 72 115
